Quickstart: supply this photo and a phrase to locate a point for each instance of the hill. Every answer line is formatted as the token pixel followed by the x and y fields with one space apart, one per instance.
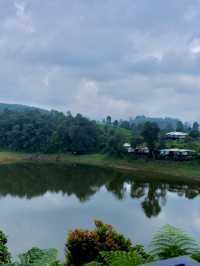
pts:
pixel 18 107
pixel 164 123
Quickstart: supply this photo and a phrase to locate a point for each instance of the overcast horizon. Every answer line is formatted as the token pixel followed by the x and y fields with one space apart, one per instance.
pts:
pixel 121 58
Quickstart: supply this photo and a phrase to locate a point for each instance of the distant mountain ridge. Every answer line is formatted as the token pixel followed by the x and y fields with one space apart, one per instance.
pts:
pixel 18 107
pixel 163 123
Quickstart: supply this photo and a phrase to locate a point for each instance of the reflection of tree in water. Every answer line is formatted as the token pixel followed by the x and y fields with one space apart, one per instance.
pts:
pixel 117 187
pixel 31 180
pixel 154 196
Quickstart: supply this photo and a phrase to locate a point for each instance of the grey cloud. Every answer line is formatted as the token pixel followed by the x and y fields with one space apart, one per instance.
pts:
pixel 130 56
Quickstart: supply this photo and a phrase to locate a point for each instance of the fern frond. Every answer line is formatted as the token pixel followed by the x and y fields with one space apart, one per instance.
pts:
pixel 170 241
pixel 122 258
pixel 38 257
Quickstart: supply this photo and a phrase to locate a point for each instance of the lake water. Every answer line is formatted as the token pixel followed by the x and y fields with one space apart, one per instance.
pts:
pixel 39 204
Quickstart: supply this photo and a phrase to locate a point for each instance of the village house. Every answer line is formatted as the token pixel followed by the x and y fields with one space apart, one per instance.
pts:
pixel 176 135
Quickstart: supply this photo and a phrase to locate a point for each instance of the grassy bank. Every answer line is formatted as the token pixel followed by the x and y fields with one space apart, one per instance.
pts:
pixel 174 168
pixel 188 169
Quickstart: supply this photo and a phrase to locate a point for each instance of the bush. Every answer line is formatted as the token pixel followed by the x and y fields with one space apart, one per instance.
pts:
pixel 5 256
pixel 121 258
pixel 172 242
pixel 36 256
pixel 84 246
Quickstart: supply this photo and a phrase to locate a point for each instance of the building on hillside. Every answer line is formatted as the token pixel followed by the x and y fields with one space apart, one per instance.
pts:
pixel 176 154
pixel 128 148
pixel 126 145
pixel 142 151
pixel 176 135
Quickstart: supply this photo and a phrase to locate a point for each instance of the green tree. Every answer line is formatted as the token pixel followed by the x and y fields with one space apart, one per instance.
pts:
pixel 136 140
pixel 195 126
pixel 179 126
pixel 194 133
pixel 150 133
pixel 108 120
pixel 115 145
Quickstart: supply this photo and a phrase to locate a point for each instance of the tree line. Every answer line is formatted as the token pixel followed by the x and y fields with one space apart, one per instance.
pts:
pixel 38 131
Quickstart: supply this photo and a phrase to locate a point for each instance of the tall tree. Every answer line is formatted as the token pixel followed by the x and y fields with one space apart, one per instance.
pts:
pixel 108 120
pixel 179 126
pixel 195 126
pixel 150 133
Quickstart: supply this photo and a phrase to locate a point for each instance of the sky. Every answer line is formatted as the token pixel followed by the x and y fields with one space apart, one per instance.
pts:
pixel 102 57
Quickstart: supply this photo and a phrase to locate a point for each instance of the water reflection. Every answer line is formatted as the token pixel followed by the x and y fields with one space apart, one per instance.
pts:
pixel 29 181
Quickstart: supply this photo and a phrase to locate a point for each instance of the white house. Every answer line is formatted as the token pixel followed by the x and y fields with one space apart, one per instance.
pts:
pixel 176 152
pixel 176 135
pixel 127 146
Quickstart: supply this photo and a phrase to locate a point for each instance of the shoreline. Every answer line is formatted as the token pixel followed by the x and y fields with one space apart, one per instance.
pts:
pixel 186 170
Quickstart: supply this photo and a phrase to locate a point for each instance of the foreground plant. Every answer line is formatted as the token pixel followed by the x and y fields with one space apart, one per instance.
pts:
pixel 135 256
pixel 84 246
pixel 5 256
pixel 38 257
pixel 170 242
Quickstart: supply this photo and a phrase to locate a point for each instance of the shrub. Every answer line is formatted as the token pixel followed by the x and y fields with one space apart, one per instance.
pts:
pixel 84 246
pixel 5 256
pixel 171 242
pixel 39 257
pixel 121 258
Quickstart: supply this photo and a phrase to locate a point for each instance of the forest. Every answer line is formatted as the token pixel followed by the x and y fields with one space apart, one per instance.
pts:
pixel 39 131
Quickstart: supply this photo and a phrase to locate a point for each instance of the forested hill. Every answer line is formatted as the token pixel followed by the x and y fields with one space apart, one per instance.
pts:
pixel 163 123
pixel 18 107
pixel 30 129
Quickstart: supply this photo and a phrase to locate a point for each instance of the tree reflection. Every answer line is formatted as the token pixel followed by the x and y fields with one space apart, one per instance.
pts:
pixel 32 180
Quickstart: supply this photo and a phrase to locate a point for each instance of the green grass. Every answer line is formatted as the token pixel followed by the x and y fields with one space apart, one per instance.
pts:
pixel 175 168
pixel 181 144
pixel 180 169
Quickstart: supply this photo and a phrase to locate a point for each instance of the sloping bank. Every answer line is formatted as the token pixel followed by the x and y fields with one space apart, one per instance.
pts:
pixel 179 170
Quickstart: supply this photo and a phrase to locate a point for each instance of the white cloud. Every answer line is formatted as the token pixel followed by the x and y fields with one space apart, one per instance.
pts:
pixel 92 58
pixel 90 101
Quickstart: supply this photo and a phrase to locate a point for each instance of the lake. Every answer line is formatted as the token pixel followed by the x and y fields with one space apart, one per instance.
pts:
pixel 40 203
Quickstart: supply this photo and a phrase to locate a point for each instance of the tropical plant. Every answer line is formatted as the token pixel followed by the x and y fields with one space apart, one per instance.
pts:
pixel 196 256
pixel 121 258
pixel 38 257
pixel 84 246
pixel 170 242
pixel 5 256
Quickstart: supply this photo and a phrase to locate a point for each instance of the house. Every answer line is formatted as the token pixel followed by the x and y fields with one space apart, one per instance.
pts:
pixel 128 148
pixel 176 154
pixel 182 260
pixel 126 145
pixel 176 135
pixel 142 151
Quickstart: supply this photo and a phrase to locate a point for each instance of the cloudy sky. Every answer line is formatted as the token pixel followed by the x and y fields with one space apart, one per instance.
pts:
pixel 99 57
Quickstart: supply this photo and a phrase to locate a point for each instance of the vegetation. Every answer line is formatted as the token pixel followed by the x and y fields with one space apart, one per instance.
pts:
pixel 121 258
pixel 104 246
pixel 150 133
pixel 32 130
pixel 39 257
pixel 4 254
pixel 159 169
pixel 172 242
pixel 84 246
